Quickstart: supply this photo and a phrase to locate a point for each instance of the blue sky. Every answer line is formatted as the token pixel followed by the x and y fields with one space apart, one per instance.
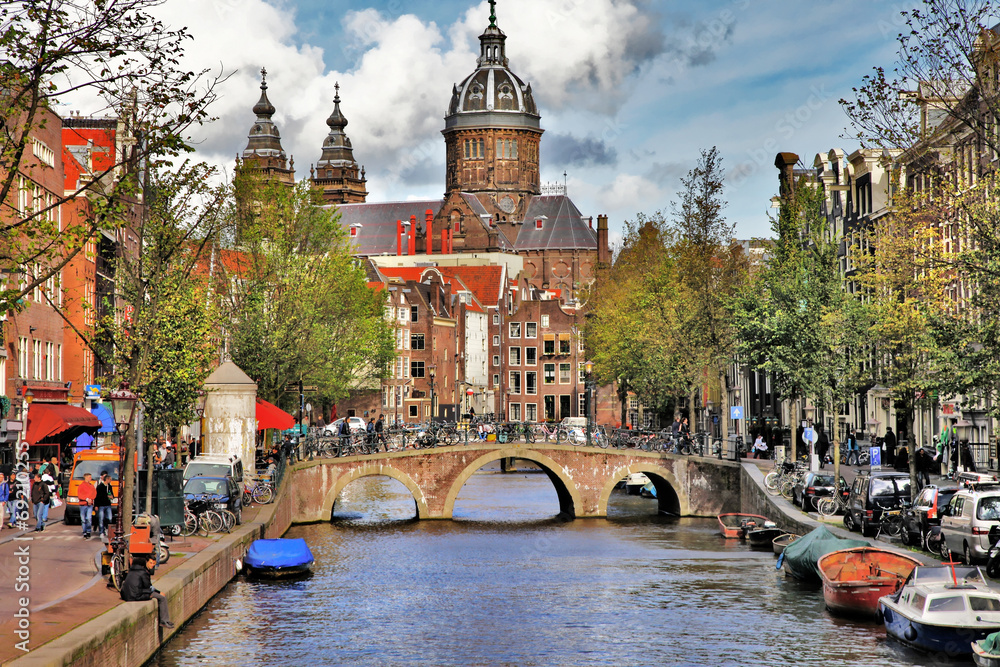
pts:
pixel 629 90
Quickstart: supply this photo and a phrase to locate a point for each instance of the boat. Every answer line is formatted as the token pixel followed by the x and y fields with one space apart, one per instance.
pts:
pixel 763 537
pixel 781 541
pixel 278 558
pixel 943 610
pixel 854 579
pixel 648 491
pixel 799 558
pixel 731 524
pixel 986 653
pixel 634 483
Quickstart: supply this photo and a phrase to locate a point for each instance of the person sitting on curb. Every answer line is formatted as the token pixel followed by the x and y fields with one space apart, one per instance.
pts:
pixel 138 587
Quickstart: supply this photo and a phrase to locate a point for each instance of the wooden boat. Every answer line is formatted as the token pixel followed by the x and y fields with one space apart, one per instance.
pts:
pixel 854 579
pixel 781 541
pixel 763 537
pixel 731 524
pixel 278 558
pixel 799 559
pixel 943 610
pixel 982 656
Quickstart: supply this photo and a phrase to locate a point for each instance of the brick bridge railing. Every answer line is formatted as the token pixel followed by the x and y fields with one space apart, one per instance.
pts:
pixel 583 478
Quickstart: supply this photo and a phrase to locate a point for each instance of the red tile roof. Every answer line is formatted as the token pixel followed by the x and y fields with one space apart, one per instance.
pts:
pixel 403 272
pixel 485 282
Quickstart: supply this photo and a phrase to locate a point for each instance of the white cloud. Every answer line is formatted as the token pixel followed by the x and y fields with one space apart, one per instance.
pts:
pixel 626 191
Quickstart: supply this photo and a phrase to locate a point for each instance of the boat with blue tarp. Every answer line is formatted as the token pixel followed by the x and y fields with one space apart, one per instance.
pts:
pixel 278 558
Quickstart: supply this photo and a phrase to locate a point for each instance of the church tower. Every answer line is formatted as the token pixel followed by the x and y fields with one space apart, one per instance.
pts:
pixel 492 133
pixel 264 153
pixel 336 174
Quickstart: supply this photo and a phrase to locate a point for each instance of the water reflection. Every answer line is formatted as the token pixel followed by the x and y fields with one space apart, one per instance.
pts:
pixel 509 583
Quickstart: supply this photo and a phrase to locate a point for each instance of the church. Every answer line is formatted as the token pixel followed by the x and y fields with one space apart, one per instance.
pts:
pixel 493 200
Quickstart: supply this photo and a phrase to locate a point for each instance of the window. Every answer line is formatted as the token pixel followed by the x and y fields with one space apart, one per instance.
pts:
pixel 515 382
pixel 545 321
pixel 531 411
pixel 515 356
pixel 414 314
pixel 515 412
pixel 563 343
pixel 385 396
pixel 496 318
pixel 416 341
pixel 399 339
pixel 530 356
pixel 36 365
pixel 583 404
pixel 402 314
pixel 515 329
pixel 564 373
pixel 579 346
pixel 549 346
pixel 50 359
pixel 581 373
pixel 549 373
pixel 22 357
pixel 531 330
pixel 538 223
pixel 417 369
pixel 496 380
pixel 496 359
pixel 531 382
pixel 354 230
pixel 413 412
pixel 399 368
pixel 496 341
pixel 550 408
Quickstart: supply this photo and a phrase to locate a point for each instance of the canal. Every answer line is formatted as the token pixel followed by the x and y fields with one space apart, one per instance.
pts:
pixel 507 583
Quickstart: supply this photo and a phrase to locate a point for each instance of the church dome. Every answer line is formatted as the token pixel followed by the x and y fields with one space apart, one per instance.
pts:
pixel 492 95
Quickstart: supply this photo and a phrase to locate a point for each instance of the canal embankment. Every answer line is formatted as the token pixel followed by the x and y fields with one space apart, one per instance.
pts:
pixel 128 634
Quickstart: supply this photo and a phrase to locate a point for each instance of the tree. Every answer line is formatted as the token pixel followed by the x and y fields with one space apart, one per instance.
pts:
pixel 711 266
pixel 114 52
pixel 296 304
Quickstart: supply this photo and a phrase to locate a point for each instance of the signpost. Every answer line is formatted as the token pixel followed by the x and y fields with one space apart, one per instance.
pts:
pixel 876 457
pixel 736 412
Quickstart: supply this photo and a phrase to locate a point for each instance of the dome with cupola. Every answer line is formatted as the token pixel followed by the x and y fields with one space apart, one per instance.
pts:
pixel 492 94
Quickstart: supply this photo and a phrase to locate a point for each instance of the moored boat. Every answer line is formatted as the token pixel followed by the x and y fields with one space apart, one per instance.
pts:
pixel 278 558
pixel 634 483
pixel 763 537
pixel 854 579
pixel 986 653
pixel 800 557
pixel 781 541
pixel 732 524
pixel 943 610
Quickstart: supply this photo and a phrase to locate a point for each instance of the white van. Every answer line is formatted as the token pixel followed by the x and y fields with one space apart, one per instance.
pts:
pixel 215 465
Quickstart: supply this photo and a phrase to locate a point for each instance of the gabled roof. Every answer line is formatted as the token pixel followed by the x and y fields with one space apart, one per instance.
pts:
pixel 405 273
pixel 477 207
pixel 563 228
pixel 485 282
pixel 377 234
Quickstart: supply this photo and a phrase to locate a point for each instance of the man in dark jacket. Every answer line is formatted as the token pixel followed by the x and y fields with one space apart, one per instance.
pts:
pixel 890 447
pixel 40 497
pixel 138 587
pixel 822 445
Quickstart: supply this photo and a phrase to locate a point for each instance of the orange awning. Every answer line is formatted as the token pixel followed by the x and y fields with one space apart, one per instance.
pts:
pixel 271 416
pixel 47 420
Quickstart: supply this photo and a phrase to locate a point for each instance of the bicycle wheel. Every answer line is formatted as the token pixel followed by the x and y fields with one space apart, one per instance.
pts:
pixel 561 435
pixel 210 522
pixel 118 570
pixel 228 520
pixel 529 435
pixel 894 525
pixel 772 481
pixel 827 507
pixel 786 489
pixel 263 494
pixel 190 524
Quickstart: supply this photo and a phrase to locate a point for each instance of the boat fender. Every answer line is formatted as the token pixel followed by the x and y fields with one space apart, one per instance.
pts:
pixel 239 565
pixel 910 633
pixel 879 618
pixel 781 559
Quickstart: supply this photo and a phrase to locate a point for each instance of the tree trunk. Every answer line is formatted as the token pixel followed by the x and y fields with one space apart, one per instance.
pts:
pixel 723 407
pixel 910 419
pixel 149 478
pixel 127 486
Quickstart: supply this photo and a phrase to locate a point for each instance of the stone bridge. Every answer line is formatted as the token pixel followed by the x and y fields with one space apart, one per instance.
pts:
pixel 583 478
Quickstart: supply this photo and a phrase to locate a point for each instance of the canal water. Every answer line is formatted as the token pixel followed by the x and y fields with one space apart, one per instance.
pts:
pixel 508 583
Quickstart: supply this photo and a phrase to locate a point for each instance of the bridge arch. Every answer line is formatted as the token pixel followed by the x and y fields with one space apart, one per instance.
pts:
pixel 570 501
pixel 370 470
pixel 669 492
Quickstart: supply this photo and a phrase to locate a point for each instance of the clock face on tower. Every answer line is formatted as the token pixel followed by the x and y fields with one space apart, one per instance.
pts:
pixel 507 204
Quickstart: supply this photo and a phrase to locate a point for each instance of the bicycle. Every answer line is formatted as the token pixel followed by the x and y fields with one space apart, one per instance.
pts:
pixel 891 522
pixel 829 506
pixel 784 473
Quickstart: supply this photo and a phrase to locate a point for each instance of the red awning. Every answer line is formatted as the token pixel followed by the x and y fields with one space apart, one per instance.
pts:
pixel 271 416
pixel 46 420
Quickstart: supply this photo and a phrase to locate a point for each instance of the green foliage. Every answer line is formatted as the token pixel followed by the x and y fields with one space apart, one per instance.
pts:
pixel 296 302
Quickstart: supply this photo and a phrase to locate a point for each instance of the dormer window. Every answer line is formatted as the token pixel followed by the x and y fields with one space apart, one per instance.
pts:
pixel 355 228
pixel 538 223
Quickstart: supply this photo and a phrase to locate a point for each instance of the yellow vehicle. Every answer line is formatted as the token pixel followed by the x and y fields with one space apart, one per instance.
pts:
pixel 94 461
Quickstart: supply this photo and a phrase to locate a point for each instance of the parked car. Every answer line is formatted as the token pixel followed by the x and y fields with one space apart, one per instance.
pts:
pixel 971 523
pixel 815 485
pixel 872 494
pixel 355 423
pixel 223 492
pixel 215 465
pixel 926 513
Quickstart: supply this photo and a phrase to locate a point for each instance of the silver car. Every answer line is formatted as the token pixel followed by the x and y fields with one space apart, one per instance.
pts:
pixel 971 523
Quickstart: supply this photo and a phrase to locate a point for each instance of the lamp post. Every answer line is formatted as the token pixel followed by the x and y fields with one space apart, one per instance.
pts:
pixel 432 371
pixel 123 402
pixel 199 408
pixel 588 384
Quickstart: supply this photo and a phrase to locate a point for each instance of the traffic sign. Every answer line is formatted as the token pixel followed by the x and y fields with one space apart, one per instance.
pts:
pixel 809 435
pixel 736 412
pixel 875 453
pixel 92 390
pixel 310 389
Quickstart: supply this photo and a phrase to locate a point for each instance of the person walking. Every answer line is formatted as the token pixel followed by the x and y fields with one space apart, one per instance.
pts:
pixel 890 447
pixel 86 494
pixel 138 587
pixel 40 497
pixel 16 491
pixel 380 430
pixel 949 443
pixel 4 497
pixel 822 445
pixel 852 448
pixel 103 495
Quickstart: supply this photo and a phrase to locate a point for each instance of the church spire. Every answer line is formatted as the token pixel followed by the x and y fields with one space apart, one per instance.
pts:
pixel 337 171
pixel 264 151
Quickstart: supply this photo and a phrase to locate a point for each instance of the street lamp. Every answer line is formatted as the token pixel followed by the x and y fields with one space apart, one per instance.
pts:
pixel 199 409
pixel 588 384
pixel 123 402
pixel 432 371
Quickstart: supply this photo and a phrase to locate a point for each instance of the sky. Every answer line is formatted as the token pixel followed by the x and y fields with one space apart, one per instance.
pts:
pixel 630 91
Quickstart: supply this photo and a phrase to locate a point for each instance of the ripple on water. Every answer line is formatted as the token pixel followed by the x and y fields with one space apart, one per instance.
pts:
pixel 508 583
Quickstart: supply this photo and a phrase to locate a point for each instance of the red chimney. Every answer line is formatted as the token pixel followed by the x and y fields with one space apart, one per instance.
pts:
pixel 429 232
pixel 399 239
pixel 444 240
pixel 412 245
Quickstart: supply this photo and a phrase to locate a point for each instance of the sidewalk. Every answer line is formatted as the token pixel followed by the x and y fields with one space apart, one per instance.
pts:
pixel 64 586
